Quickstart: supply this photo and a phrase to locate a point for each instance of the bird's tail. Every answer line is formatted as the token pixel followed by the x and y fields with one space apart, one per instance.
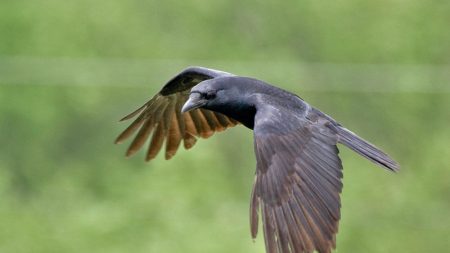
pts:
pixel 365 149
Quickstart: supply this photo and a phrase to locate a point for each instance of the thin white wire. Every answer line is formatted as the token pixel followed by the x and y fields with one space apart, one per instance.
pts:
pixel 307 76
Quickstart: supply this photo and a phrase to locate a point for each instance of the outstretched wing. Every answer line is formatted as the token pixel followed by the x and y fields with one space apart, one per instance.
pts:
pixel 297 184
pixel 162 117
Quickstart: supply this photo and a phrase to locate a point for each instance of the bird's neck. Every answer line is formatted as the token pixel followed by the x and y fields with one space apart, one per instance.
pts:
pixel 244 113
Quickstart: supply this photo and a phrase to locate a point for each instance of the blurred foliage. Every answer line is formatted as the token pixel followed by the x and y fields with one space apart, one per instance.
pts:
pixel 66 188
pixel 340 31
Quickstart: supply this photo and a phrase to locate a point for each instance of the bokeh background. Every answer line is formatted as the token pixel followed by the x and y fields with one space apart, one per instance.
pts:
pixel 70 69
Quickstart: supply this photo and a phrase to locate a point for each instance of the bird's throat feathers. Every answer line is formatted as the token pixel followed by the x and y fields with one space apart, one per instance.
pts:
pixel 242 112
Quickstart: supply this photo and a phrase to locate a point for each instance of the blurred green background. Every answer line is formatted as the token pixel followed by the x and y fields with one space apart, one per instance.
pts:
pixel 70 69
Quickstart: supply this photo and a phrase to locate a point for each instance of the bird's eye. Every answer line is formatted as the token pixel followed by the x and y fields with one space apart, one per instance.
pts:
pixel 210 95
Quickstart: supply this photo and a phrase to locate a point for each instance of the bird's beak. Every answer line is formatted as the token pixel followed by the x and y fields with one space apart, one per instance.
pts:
pixel 195 101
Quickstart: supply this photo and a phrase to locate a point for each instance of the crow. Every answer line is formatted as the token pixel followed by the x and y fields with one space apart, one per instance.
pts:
pixel 298 171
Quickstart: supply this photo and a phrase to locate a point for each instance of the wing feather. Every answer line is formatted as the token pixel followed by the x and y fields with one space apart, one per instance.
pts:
pixel 200 124
pixel 224 120
pixel 162 118
pixel 212 120
pixel 141 137
pixel 131 129
pixel 189 136
pixel 206 128
pixel 136 112
pixel 156 142
pixel 297 185
pixel 173 138
pixel 179 117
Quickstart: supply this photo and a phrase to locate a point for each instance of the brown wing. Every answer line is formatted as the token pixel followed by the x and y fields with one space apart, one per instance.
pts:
pixel 297 186
pixel 162 118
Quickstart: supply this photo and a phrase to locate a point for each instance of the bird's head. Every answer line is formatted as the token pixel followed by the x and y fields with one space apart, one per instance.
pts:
pixel 230 96
pixel 212 94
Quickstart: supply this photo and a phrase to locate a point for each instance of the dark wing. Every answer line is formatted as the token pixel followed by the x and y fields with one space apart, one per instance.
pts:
pixel 297 184
pixel 162 117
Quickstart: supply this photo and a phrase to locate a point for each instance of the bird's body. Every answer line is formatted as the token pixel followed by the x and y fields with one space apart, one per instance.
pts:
pixel 298 176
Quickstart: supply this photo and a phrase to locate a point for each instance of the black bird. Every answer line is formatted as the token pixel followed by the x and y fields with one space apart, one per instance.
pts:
pixel 298 170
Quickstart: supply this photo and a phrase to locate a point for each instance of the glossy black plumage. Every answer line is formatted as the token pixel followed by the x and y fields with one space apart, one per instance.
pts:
pixel 298 175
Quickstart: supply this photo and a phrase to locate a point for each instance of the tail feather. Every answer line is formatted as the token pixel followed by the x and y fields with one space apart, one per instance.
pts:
pixel 366 149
